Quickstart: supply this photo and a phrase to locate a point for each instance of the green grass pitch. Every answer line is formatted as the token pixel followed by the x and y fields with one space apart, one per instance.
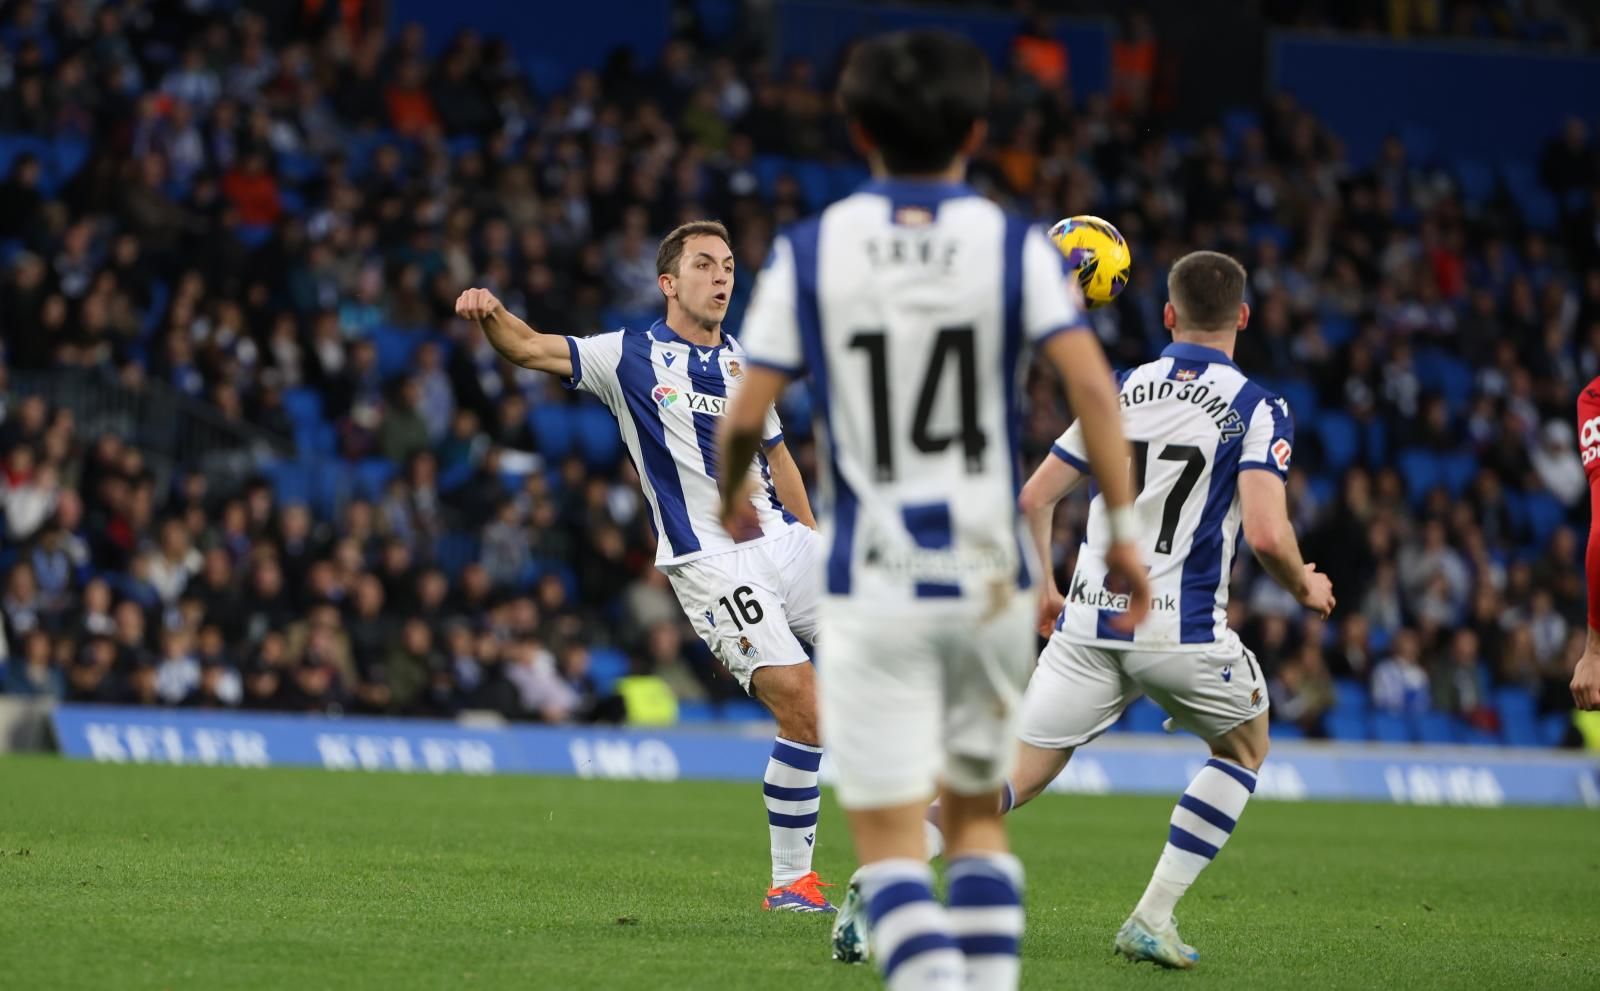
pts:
pixel 162 877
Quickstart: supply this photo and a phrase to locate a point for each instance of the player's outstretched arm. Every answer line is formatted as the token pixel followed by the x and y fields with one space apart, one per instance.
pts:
pixel 786 481
pixel 1048 485
pixel 1271 538
pixel 738 442
pixel 517 342
pixel 1586 677
pixel 1092 390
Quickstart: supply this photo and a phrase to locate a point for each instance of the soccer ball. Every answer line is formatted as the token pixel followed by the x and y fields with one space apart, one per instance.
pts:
pixel 1098 252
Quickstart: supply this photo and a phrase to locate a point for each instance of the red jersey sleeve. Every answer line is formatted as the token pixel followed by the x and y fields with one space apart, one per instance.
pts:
pixel 1589 442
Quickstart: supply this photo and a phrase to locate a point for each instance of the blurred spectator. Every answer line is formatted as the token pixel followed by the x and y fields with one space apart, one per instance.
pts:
pixel 1400 683
pixel 1302 691
pixel 1461 681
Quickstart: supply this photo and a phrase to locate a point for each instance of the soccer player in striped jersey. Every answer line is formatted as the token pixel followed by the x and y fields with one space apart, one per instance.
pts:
pixel 913 304
pixel 754 598
pixel 1210 448
pixel 1586 677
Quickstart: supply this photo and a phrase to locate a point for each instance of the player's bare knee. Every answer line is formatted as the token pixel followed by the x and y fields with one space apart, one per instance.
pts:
pixel 790 694
pixel 1245 745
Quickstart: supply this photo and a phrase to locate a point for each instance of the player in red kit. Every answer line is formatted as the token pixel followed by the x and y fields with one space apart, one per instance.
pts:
pixel 1586 678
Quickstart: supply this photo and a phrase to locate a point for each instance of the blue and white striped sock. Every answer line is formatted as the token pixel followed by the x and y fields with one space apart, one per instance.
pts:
pixel 1202 821
pixel 792 797
pixel 986 917
pixel 911 939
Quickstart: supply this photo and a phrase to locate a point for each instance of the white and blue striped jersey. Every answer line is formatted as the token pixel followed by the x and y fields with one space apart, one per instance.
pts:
pixel 913 306
pixel 1195 422
pixel 668 396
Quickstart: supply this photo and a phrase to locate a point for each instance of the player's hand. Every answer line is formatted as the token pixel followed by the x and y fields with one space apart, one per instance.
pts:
pixel 1126 564
pixel 477 304
pixel 1318 595
pixel 1586 682
pixel 1051 602
pixel 742 522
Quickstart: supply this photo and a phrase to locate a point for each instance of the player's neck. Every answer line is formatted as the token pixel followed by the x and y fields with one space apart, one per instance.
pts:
pixel 694 331
pixel 956 172
pixel 1223 341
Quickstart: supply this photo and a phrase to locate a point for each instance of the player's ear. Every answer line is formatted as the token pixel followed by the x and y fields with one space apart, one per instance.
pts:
pixel 1169 317
pixel 975 138
pixel 1244 315
pixel 860 140
pixel 668 285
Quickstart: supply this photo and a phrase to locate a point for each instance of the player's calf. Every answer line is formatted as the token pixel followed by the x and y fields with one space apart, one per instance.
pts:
pixel 1203 821
pixel 1036 768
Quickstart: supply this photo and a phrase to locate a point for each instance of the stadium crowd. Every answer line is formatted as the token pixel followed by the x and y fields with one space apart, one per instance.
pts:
pixel 271 210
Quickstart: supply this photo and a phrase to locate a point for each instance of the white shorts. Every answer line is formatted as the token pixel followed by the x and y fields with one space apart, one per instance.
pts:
pixel 914 699
pixel 1078 690
pixel 753 605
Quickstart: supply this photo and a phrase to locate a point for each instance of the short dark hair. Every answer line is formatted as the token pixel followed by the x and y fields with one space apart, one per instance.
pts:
pixel 917 95
pixel 1207 289
pixel 671 251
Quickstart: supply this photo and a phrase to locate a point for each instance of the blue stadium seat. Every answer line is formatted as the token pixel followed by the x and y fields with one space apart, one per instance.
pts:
pixel 607 665
pixel 304 406
pixel 1345 725
pixel 1545 513
pixel 1554 728
pixel 1519 732
pixel 1144 716
pixel 1350 696
pixel 1302 399
pixel 767 169
pixel 396 347
pixel 297 169
pixel 1287 731
pixel 1438 727
pixel 1514 702
pixel 1340 437
pixel 160 294
pixel 813 180
pixel 1275 233
pixel 291 482
pixel 1337 329
pixel 455 551
pixel 455 476
pixel 745 711
pixel 1324 489
pixel 1421 472
pixel 1534 202
pixel 253 235
pixel 1421 143
pixel 69 154
pixel 599 440
pixel 1375 435
pixel 1475 737
pixel 846 179
pixel 1235 123
pixel 463 143
pixel 332 485
pixel 371 475
pixel 690 711
pixel 1459 471
pixel 554 429
pixel 1476 180
pixel 1390 729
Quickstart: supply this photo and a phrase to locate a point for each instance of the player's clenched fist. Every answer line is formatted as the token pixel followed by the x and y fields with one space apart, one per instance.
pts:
pixel 1124 563
pixel 1319 592
pixel 477 304
pixel 1586 682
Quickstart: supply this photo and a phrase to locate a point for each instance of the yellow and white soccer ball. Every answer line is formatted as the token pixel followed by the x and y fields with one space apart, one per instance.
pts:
pixel 1096 249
